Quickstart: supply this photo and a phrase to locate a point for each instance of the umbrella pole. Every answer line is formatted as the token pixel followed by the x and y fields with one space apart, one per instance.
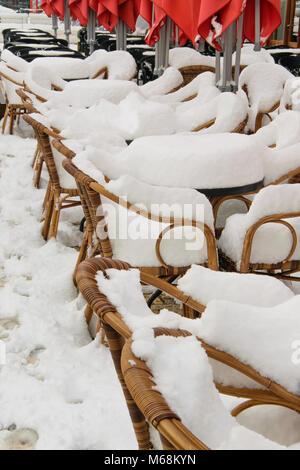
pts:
pixel 121 33
pixel 54 24
pixel 218 68
pixel 91 30
pixel 229 36
pixel 238 52
pixel 169 24
pixel 67 21
pixel 257 46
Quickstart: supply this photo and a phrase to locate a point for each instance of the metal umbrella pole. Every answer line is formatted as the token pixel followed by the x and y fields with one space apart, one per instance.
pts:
pixel 218 68
pixel 67 20
pixel 238 51
pixel 226 82
pixel 169 26
pixel 257 46
pixel 91 30
pixel 121 33
pixel 54 24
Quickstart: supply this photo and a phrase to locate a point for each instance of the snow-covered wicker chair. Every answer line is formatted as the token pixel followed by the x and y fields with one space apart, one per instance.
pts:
pixel 170 81
pixel 157 212
pixel 169 378
pixel 190 63
pixel 13 61
pixel 226 112
pixel 62 191
pixel 281 163
pixel 113 292
pixel 265 239
pixel 10 82
pixel 263 84
pixel 113 65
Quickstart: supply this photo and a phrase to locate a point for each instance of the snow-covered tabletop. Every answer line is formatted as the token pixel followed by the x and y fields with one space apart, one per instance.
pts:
pixel 189 160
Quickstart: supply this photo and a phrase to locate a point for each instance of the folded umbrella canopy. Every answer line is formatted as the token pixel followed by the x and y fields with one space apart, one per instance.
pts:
pixel 163 17
pixel 184 14
pixel 79 10
pixel 267 14
pixel 226 23
pixel 109 12
pixel 45 5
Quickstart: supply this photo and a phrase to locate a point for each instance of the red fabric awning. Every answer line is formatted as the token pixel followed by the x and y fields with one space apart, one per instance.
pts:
pixel 110 11
pixel 79 10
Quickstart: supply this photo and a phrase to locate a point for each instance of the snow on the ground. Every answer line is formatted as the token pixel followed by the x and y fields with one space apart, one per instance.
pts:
pixel 58 389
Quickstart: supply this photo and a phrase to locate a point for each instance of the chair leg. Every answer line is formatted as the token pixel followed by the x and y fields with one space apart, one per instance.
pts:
pixel 38 171
pixel 82 255
pixel 35 156
pixel 47 196
pixel 55 217
pixel 11 123
pixel 5 119
pixel 141 429
pixel 48 217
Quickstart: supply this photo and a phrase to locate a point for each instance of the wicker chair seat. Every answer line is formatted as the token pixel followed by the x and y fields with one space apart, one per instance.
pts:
pixel 266 238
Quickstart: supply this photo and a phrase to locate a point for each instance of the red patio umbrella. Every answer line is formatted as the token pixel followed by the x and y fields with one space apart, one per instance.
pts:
pixel 155 12
pixel 79 10
pixel 45 5
pixel 215 16
pixel 184 14
pixel 109 12
pixel 270 19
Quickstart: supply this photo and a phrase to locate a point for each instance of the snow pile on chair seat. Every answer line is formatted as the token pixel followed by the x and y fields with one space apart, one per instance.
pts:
pixel 283 131
pixel 120 64
pixel 180 57
pixel 169 81
pixel 278 163
pixel 265 83
pixel 85 93
pixel 163 202
pixel 133 237
pixel 204 285
pixel 261 337
pixel 189 161
pixel 291 95
pixel 10 88
pixel 65 67
pixel 40 78
pixel 19 64
pixel 250 56
pixel 272 242
pixel 228 110
pixel 181 372
pixel 202 82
